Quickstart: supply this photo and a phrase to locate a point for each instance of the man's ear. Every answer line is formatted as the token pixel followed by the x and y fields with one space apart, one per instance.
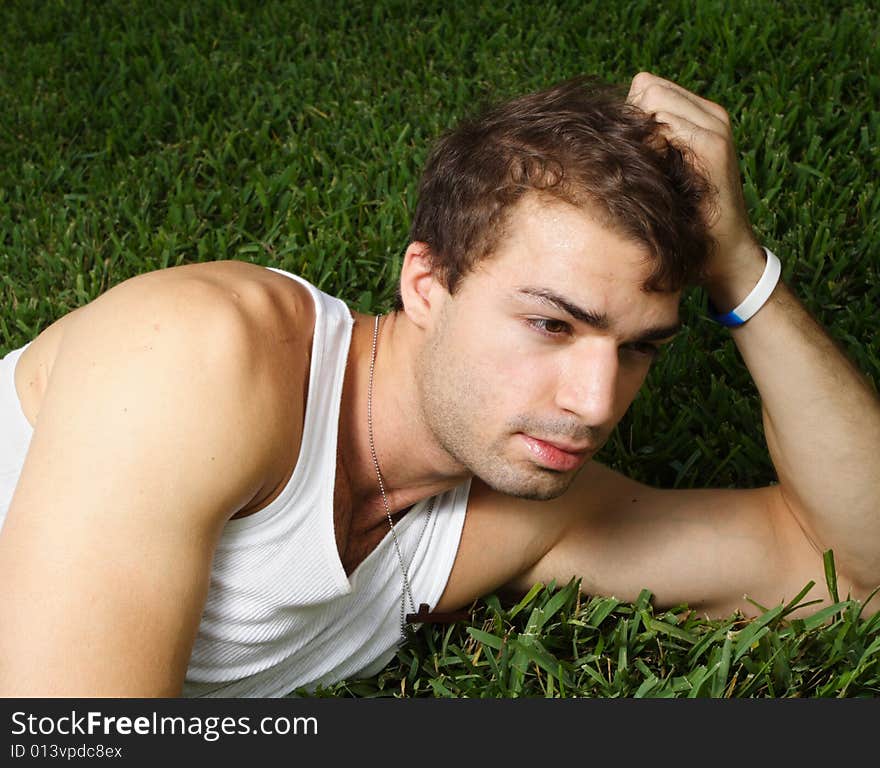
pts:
pixel 420 288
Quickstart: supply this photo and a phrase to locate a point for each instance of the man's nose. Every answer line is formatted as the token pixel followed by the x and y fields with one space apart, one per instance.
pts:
pixel 588 383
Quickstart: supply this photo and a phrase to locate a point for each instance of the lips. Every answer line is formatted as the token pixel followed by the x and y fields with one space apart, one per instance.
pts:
pixel 567 447
pixel 562 457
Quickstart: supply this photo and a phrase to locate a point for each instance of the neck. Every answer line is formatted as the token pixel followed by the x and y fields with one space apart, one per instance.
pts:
pixel 413 465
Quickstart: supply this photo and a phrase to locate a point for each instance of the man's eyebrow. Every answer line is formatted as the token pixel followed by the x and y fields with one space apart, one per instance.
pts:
pixel 597 320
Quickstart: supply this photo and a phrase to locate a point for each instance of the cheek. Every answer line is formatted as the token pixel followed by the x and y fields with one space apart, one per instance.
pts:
pixel 501 373
pixel 523 382
pixel 497 369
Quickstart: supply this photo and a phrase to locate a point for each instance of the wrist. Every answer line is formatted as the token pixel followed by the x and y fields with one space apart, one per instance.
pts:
pixel 756 298
pixel 743 269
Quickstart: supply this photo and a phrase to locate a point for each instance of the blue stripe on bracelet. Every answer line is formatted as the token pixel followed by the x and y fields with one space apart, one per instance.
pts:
pixel 731 319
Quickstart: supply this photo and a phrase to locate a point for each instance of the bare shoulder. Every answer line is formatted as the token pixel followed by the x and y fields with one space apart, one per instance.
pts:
pixel 264 304
pixel 267 302
pixel 261 321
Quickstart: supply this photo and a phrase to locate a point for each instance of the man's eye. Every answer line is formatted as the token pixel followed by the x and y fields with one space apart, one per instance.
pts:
pixel 549 327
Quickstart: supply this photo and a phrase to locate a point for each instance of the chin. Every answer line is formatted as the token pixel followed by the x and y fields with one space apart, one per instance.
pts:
pixel 539 484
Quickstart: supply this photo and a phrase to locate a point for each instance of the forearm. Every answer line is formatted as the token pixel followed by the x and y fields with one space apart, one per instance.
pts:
pixel 821 422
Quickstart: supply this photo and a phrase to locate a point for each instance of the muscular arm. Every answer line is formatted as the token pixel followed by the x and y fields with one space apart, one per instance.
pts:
pixel 136 460
pixel 822 425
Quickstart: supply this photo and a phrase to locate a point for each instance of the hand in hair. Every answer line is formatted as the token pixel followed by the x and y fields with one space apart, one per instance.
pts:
pixel 701 129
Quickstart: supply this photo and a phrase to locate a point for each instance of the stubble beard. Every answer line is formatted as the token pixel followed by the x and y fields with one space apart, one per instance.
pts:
pixel 452 401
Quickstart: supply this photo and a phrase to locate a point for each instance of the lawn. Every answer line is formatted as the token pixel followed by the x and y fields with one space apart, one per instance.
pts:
pixel 142 135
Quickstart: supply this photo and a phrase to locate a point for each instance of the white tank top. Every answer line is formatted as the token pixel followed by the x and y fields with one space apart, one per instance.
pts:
pixel 281 612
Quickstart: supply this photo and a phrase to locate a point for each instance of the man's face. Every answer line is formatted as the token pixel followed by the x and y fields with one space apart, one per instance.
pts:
pixel 543 341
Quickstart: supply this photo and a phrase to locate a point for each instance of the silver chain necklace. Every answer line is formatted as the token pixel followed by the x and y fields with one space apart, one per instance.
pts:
pixel 406 592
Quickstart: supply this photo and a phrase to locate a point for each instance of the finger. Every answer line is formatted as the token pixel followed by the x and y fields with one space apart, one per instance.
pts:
pixel 659 98
pixel 706 146
pixel 644 81
pixel 677 128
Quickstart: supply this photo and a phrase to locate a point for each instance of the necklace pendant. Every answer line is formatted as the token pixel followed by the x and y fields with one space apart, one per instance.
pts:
pixel 425 616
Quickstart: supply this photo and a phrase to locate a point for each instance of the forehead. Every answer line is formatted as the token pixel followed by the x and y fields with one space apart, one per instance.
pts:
pixel 554 246
pixel 568 240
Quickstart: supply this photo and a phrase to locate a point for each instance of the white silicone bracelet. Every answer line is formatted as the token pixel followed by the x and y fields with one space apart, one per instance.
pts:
pixel 757 298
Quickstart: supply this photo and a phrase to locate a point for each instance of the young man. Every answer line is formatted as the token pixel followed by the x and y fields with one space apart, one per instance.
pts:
pixel 221 482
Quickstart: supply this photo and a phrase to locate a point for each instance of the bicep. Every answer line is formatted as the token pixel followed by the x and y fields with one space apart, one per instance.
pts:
pixel 710 548
pixel 105 553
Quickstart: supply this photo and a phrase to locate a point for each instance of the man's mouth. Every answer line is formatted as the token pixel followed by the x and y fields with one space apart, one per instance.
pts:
pixel 557 455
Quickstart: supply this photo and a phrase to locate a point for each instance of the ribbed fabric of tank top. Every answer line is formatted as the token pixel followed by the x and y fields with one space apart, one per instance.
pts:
pixel 280 612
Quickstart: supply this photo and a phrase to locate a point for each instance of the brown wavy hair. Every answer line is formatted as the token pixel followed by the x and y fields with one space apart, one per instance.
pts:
pixel 579 142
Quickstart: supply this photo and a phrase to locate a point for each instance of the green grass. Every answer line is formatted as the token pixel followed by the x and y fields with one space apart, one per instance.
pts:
pixel 557 643
pixel 140 135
